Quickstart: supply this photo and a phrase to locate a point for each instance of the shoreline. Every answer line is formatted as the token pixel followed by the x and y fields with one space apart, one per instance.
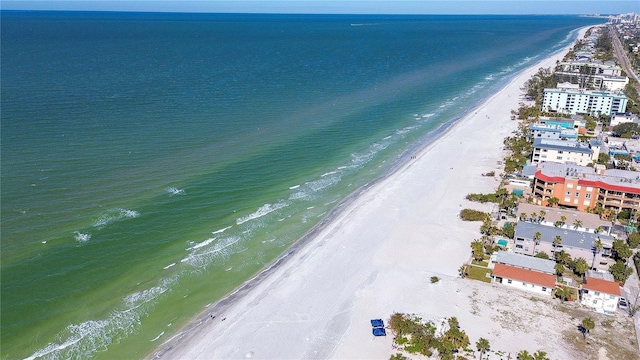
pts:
pixel 203 337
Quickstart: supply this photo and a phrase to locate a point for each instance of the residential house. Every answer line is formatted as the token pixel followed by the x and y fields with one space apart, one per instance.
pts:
pixel 600 292
pixel 523 272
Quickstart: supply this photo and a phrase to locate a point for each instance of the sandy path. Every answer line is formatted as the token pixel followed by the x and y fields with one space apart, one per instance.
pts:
pixel 376 258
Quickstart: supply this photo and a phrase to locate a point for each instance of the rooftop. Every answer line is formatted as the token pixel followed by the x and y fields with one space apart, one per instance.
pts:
pixel 600 284
pixel 625 180
pixel 525 262
pixel 564 145
pixel 590 221
pixel 570 238
pixel 529 276
pixel 588 92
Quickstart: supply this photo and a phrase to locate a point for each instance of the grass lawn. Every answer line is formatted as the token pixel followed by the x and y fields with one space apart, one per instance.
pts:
pixel 478 273
pixel 480 263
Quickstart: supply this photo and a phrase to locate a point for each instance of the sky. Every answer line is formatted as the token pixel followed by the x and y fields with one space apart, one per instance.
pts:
pixel 542 7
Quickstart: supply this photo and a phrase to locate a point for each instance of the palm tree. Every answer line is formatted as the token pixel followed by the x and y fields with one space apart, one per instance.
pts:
pixel 563 257
pixel 462 269
pixel 523 216
pixel 536 240
pixel 587 325
pixel 563 219
pixel 524 355
pixel 534 215
pixel 556 242
pixel 559 269
pixel 540 355
pixel 597 246
pixel 482 345
pixel 599 229
pixel 542 214
pixel 553 201
pixel 577 223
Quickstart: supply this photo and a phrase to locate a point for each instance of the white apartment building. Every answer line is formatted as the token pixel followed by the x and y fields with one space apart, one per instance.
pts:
pixel 561 151
pixel 572 101
pixel 600 292
pixel 621 118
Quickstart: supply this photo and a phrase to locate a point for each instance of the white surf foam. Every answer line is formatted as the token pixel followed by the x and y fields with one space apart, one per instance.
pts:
pixel 222 230
pixel 169 266
pixel 294 187
pixel 262 211
pixel 157 337
pixel 204 243
pixel 82 237
pixel 175 191
pixel 115 215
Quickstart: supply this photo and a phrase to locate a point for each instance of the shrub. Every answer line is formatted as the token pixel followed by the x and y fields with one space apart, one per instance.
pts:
pixel 434 279
pixel 473 215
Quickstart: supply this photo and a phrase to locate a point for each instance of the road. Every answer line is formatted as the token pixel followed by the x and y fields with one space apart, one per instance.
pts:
pixel 622 56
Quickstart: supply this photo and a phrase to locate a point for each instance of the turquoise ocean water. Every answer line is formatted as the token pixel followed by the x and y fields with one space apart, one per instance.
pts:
pixel 151 163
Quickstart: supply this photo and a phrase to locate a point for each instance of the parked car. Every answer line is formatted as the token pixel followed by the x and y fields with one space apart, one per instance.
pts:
pixel 622 303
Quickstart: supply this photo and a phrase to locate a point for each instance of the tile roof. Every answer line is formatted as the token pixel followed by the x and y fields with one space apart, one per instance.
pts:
pixel 528 276
pixel 604 286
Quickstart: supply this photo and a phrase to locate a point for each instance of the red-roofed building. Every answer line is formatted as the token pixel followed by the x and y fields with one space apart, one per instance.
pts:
pixel 525 279
pixel 600 292
pixel 583 187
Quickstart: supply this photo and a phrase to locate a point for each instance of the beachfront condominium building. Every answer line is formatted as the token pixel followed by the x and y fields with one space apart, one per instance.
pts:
pixel 578 101
pixel 561 151
pixel 592 75
pixel 583 187
pixel 532 239
pixel 552 131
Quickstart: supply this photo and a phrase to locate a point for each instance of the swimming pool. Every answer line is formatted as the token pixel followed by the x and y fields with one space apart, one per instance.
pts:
pixel 502 242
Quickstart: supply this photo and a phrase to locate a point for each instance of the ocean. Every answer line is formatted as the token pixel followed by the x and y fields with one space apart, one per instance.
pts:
pixel 152 163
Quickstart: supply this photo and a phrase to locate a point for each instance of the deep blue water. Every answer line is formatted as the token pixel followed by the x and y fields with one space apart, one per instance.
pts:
pixel 151 163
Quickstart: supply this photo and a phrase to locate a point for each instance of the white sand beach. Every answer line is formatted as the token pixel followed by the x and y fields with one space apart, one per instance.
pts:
pixel 376 258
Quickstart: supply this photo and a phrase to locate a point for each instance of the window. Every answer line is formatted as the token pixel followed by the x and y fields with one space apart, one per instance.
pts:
pixel 544 289
pixel 577 194
pixel 569 185
pixel 587 196
pixel 569 193
pixel 597 293
pixel 509 281
pixel 560 152
pixel 559 158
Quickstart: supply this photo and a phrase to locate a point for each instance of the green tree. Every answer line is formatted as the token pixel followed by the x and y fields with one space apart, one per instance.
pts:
pixel 523 216
pixel 477 247
pixel 626 130
pixel 559 269
pixel 542 255
pixel 603 158
pixel 564 293
pixel 553 201
pixel 580 266
pixel 540 355
pixel 620 271
pixel 524 355
pixel 597 246
pixel 536 240
pixel 557 240
pixel 587 325
pixel 563 257
pixel 634 239
pixel 622 250
pixel 577 224
pixel 509 230
pixel 563 219
pixel 543 213
pixel 483 346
